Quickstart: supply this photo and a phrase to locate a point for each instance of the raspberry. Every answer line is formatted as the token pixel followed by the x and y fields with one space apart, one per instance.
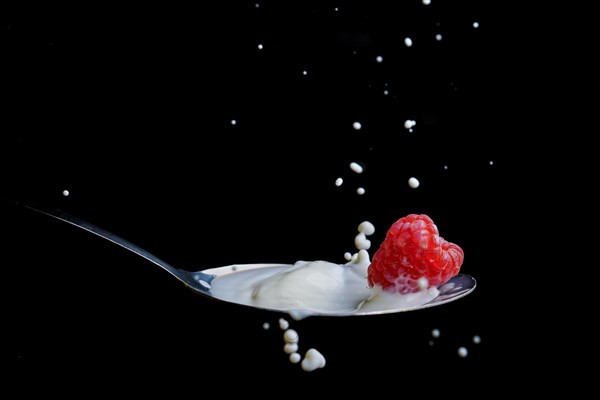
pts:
pixel 413 250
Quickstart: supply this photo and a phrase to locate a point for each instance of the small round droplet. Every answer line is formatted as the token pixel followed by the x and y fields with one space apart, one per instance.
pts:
pixel 266 326
pixel 360 191
pixel 379 59
pixel 462 352
pixel 438 37
pixel 339 181
pixel 476 339
pixel 475 24
pixel 260 46
pixel 423 283
pixel 356 167
pixel 408 42
pixel 367 228
pixel 283 324
pixel 290 348
pixel 435 333
pixel 233 122
pixel 65 193
pixel 357 125
pixel 426 2
pixel 295 358
pixel 413 182
pixel 291 336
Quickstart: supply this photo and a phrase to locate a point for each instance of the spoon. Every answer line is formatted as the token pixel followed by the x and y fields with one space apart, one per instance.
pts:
pixel 202 281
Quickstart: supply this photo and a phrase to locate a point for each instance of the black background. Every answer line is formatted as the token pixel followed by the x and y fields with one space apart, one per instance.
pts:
pixel 130 109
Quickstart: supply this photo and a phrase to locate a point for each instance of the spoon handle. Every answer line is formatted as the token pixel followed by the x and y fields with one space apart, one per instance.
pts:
pixel 70 219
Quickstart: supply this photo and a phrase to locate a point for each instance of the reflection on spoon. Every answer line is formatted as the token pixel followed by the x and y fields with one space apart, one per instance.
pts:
pixel 302 289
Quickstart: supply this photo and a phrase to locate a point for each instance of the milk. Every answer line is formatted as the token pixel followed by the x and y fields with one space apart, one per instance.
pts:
pixel 319 287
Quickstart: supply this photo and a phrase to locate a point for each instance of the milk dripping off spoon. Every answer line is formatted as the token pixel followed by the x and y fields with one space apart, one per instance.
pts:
pixel 279 287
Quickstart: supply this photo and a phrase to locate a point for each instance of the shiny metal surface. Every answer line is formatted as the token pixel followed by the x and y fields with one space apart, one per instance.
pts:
pixel 200 281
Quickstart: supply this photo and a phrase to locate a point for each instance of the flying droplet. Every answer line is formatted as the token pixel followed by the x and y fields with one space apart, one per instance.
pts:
pixel 291 336
pixel 356 167
pixel 313 359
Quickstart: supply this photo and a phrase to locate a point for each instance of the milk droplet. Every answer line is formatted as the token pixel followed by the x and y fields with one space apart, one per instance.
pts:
pixel 476 339
pixel 283 324
pixel 408 42
pixel 313 360
pixel 357 125
pixel 367 228
pixel 304 72
pixel 379 59
pixel 409 123
pixel 266 326
pixel 291 336
pixel 290 348
pixel 435 333
pixel 413 182
pixel 360 240
pixel 475 24
pixel 438 37
pixel 356 167
pixel 65 193
pixel 423 283
pixel 260 46
pixel 295 358
pixel 462 352
pixel 339 181
pixel 233 122
pixel 427 2
pixel 360 191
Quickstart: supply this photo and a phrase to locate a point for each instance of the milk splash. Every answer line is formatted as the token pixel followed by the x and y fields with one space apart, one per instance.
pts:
pixel 317 287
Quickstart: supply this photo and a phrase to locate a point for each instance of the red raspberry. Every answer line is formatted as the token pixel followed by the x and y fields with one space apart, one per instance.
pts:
pixel 413 249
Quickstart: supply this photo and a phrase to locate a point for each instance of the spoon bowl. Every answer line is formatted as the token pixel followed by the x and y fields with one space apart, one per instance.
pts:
pixel 205 281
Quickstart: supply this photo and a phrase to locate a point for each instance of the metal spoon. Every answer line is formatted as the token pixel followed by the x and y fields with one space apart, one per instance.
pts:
pixel 201 281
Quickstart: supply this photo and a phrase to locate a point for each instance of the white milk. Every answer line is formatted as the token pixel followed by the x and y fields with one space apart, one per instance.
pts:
pixel 316 287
